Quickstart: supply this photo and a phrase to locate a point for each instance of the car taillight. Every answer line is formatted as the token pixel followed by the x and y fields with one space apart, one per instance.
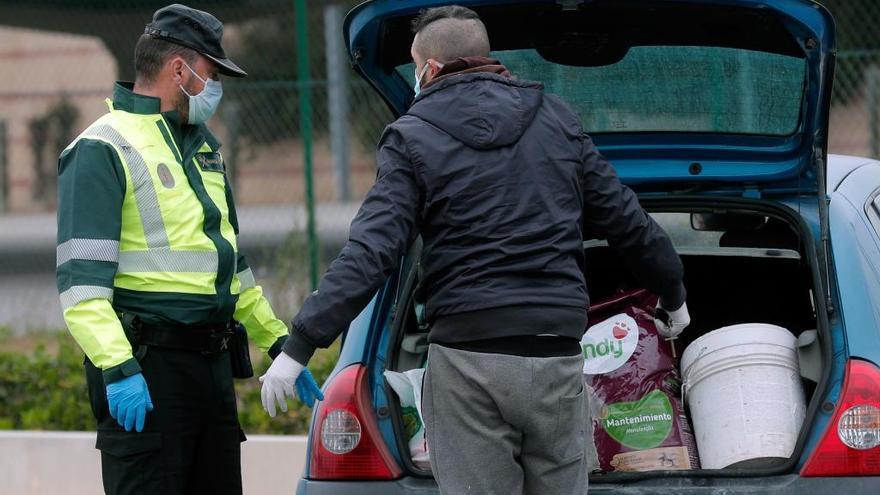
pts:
pixel 346 443
pixel 851 444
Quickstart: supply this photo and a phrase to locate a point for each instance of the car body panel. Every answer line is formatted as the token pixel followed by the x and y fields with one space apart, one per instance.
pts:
pixel 822 417
pixel 856 246
pixel 840 166
pixel 359 347
pixel 381 399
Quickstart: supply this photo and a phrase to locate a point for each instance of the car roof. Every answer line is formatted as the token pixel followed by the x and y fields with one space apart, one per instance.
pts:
pixel 840 166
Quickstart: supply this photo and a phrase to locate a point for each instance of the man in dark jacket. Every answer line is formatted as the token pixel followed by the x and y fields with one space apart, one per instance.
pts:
pixel 502 184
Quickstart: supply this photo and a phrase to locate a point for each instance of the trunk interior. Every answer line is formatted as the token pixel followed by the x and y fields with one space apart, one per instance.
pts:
pixel 749 262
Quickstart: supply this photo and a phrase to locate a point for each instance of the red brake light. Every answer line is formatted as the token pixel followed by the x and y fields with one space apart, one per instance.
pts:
pixel 851 444
pixel 346 443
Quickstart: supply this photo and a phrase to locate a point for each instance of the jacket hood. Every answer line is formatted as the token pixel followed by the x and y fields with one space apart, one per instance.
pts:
pixel 481 109
pixel 465 65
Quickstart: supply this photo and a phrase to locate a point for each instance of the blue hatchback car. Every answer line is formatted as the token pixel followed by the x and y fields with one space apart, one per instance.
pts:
pixel 716 113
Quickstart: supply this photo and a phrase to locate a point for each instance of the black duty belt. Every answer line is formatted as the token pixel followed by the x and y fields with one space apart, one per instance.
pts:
pixel 206 340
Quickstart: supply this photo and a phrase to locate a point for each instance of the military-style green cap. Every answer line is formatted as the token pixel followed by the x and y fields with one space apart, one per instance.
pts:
pixel 194 29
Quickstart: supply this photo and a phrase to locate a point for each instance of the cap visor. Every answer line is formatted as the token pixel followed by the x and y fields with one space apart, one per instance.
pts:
pixel 227 67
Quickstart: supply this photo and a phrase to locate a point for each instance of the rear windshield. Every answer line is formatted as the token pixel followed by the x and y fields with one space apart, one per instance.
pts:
pixel 674 89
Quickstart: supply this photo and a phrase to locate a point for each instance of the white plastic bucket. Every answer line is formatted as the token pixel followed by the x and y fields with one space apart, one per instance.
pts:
pixel 744 390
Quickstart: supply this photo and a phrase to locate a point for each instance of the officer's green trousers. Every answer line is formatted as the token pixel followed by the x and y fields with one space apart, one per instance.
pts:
pixel 191 443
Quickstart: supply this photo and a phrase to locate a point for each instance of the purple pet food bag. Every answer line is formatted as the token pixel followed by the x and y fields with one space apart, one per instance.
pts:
pixel 635 388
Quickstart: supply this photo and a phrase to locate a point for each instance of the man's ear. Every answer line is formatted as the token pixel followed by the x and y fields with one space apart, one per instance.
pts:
pixel 436 67
pixel 177 68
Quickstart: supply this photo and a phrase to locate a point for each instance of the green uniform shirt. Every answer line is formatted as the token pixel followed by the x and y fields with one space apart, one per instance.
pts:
pixel 92 188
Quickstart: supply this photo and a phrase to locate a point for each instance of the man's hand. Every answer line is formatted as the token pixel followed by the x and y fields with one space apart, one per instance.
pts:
pixel 279 382
pixel 671 323
pixel 129 401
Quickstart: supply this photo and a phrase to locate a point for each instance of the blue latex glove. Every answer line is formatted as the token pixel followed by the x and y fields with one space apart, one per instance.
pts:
pixel 307 388
pixel 129 401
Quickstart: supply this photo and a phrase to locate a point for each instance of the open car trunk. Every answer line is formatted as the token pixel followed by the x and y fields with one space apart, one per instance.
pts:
pixel 747 261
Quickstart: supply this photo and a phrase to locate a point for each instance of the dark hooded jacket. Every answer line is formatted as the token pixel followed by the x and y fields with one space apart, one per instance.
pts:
pixel 503 185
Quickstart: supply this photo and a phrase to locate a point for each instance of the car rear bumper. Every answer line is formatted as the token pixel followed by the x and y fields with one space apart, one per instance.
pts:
pixel 403 486
pixel 775 485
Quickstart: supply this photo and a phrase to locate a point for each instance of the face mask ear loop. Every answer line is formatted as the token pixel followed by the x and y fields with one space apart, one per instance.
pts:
pixel 419 76
pixel 204 82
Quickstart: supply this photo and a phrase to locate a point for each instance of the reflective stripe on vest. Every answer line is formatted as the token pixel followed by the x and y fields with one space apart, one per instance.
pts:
pixel 79 293
pixel 87 250
pixel 246 277
pixel 144 191
pixel 166 260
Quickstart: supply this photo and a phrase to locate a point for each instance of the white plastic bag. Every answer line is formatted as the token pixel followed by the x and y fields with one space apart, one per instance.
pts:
pixel 408 387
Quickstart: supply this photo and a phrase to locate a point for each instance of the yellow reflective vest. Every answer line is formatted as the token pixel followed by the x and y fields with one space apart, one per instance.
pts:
pixel 147 225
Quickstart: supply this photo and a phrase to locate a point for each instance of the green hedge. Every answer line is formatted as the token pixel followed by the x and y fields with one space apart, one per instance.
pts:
pixel 42 387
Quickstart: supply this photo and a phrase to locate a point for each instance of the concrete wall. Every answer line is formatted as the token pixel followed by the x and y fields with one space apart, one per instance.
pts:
pixel 38 463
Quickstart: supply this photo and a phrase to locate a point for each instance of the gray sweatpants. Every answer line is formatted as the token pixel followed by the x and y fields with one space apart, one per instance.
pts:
pixel 500 424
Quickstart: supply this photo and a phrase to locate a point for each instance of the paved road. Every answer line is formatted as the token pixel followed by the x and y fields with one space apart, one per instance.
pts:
pixel 42 462
pixel 28 298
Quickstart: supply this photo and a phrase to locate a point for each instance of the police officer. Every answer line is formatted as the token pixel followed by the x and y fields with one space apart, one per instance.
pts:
pixel 151 279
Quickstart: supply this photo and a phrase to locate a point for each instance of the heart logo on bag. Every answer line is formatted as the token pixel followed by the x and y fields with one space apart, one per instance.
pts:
pixel 609 344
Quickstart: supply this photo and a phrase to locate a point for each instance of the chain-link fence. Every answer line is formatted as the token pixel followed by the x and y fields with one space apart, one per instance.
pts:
pixel 59 59
pixel 856 103
pixel 58 62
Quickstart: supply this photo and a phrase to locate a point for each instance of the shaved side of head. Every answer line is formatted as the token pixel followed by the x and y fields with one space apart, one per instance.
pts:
pixel 447 33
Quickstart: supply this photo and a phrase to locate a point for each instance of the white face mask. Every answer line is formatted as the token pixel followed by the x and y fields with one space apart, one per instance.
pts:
pixel 419 76
pixel 203 105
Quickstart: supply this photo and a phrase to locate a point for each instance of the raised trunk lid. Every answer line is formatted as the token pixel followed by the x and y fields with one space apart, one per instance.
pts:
pixel 704 96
